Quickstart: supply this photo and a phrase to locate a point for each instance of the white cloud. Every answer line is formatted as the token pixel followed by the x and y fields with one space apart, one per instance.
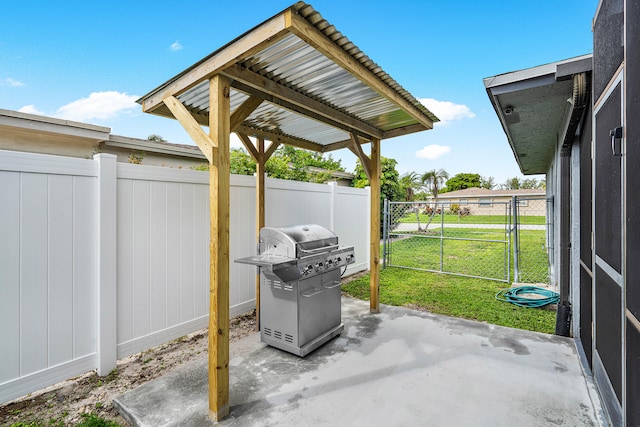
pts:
pixel 31 109
pixel 12 82
pixel 433 151
pixel 447 111
pixel 98 106
pixel 176 45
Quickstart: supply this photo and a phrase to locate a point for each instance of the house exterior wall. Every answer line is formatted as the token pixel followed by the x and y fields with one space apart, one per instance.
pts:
pixel 632 234
pixel 530 206
pixel 609 264
pixel 153 159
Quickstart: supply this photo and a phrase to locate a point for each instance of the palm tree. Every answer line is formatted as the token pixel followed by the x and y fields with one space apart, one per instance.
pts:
pixel 487 182
pixel 434 180
pixel 410 182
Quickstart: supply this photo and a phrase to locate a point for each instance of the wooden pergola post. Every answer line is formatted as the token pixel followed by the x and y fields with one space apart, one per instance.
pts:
pixel 260 181
pixel 371 166
pixel 374 249
pixel 219 179
pixel 260 155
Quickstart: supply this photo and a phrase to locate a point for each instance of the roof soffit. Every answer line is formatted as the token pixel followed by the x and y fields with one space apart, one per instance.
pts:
pixel 533 107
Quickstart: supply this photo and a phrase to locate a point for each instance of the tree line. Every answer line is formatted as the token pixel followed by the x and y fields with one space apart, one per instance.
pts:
pixel 296 164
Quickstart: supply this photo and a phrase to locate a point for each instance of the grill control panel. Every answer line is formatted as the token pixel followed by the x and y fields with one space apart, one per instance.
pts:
pixel 317 264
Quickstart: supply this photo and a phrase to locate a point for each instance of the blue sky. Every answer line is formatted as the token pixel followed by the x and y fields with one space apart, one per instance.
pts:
pixel 89 61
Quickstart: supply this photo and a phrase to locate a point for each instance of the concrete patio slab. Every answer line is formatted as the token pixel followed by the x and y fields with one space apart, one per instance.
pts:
pixel 397 368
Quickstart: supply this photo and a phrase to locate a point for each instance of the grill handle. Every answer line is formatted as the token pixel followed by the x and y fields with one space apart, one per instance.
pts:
pixel 333 284
pixel 311 292
pixel 319 250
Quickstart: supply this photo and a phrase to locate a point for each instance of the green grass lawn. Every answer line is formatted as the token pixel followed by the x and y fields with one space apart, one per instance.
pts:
pixel 452 296
pixel 472 258
pixel 483 257
pixel 472 219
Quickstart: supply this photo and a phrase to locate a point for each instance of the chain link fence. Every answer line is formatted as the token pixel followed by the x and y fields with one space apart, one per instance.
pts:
pixel 470 239
pixel 496 240
pixel 531 240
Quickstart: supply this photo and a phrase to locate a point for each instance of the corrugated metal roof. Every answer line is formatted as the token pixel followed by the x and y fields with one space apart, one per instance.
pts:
pixel 293 61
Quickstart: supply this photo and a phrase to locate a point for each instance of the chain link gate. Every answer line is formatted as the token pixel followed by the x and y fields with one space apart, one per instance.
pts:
pixel 532 237
pixel 470 239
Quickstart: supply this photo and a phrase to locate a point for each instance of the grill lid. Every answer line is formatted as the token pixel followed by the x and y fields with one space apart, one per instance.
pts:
pixel 289 253
pixel 296 241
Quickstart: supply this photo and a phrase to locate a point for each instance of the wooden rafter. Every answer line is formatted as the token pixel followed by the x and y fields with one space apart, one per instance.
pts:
pixel 202 140
pixel 243 111
pixel 281 139
pixel 250 82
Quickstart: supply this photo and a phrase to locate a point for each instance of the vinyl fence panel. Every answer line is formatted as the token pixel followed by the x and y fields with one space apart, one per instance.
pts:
pixel 163 255
pixel 100 260
pixel 47 270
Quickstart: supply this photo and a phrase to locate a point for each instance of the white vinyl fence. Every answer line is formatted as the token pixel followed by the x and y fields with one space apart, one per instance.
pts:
pixel 100 260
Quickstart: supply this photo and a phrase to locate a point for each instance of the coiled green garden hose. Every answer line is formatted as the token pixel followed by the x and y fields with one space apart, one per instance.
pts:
pixel 514 296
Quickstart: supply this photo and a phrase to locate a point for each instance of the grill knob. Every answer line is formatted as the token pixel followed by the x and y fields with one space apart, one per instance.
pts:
pixel 318 266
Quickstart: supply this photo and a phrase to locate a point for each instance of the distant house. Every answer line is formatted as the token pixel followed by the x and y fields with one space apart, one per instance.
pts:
pixel 481 201
pixel 47 135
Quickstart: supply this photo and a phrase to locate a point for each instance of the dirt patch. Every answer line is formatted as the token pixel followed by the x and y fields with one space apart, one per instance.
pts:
pixel 64 403
pixel 354 276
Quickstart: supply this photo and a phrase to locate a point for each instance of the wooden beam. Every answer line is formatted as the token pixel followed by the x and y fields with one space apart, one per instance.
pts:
pixel 219 183
pixel 406 130
pixel 366 161
pixel 249 146
pixel 341 144
pixel 307 32
pixel 298 102
pixel 254 41
pixel 243 111
pixel 282 139
pixel 260 187
pixel 202 140
pixel 272 149
pixel 374 250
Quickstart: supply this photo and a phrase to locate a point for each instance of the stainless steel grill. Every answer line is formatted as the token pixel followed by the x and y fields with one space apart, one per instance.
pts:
pixel 300 270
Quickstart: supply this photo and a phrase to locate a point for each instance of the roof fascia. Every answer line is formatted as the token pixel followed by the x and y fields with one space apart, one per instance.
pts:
pixel 35 123
pixel 153 147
